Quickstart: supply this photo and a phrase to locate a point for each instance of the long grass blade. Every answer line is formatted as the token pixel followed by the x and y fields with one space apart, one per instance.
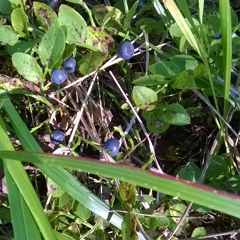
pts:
pixel 200 194
pixel 226 28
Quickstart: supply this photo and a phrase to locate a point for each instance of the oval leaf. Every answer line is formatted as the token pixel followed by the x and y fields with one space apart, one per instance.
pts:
pixel 91 61
pixel 20 22
pixel 46 17
pixel 27 66
pixel 150 80
pixel 7 35
pixel 184 80
pixel 52 46
pixel 145 98
pixel 165 68
pixel 75 23
pixel 176 114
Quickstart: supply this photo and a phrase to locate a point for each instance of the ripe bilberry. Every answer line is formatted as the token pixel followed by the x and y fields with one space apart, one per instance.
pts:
pixel 69 65
pixel 113 146
pixel 125 50
pixel 57 137
pixel 58 76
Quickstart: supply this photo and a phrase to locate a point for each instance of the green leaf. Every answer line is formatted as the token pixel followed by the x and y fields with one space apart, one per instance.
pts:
pixel 127 192
pixel 20 22
pixel 151 80
pixel 164 183
pixel 190 172
pixel 46 17
pixel 129 226
pixel 108 17
pixel 91 61
pixel 176 114
pixel 165 68
pixel 184 80
pixel 5 7
pixel 129 15
pixel 199 232
pixel 185 62
pixel 27 66
pixel 22 46
pixel 218 168
pixel 7 35
pixel 176 211
pixel 155 122
pixel 81 211
pixel 75 23
pixel 144 98
pixel 99 40
pixel 19 3
pixel 52 47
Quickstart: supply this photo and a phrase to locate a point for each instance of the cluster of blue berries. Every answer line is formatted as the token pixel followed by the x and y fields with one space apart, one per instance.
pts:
pixel 59 76
pixel 125 50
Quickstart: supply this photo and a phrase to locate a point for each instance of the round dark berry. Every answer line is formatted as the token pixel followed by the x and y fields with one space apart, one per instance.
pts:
pixel 54 4
pixel 125 50
pixel 58 76
pixel 57 137
pixel 69 65
pixel 217 36
pixel 141 3
pixel 113 146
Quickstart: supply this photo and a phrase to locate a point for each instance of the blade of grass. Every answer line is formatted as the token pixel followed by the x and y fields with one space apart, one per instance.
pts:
pixel 59 175
pixel 186 190
pixel 226 29
pixel 178 17
pixel 24 224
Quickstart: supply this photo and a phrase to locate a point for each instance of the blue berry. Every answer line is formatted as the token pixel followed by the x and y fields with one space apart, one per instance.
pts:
pixel 58 76
pixel 125 50
pixel 141 3
pixel 69 65
pixel 113 146
pixel 217 36
pixel 57 137
pixel 54 4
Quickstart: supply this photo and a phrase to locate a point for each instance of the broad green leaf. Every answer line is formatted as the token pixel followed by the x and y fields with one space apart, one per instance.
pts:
pixel 68 51
pixel 27 66
pixel 127 192
pixel 18 3
pixel 218 168
pixel 91 62
pixel 75 23
pixel 20 22
pixel 155 122
pixel 176 211
pixel 109 17
pixel 99 40
pixel 151 80
pixel 190 172
pixel 184 80
pixel 144 98
pixel 200 71
pixel 7 35
pixel 176 114
pixel 52 47
pixel 5 7
pixel 22 46
pixel 185 62
pixel 165 68
pixel 46 17
pixel 211 24
pixel 164 183
pixel 129 226
pixel 152 223
pixel 81 211
pixel 199 232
